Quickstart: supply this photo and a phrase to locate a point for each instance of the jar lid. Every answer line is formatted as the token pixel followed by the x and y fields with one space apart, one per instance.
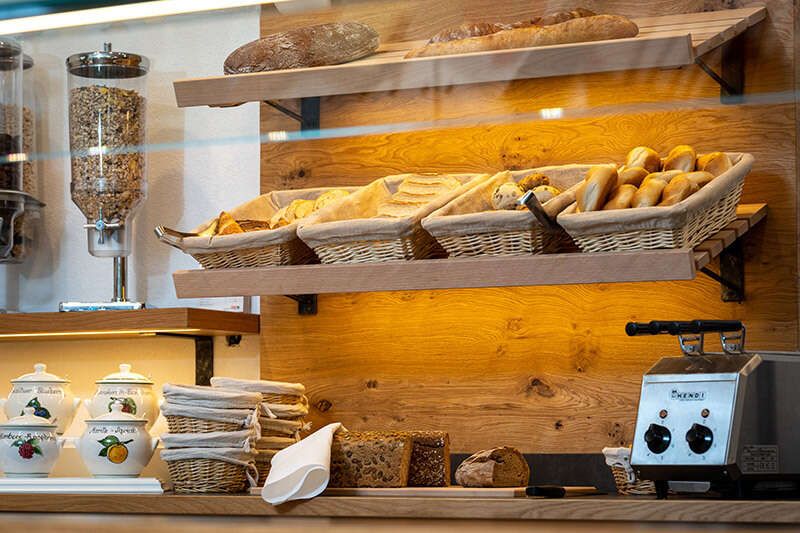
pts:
pixel 40 375
pixel 117 415
pixel 125 376
pixel 9 54
pixel 107 64
pixel 28 419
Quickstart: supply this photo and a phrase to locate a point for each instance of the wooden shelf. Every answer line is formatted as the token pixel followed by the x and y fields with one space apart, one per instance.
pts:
pixel 554 269
pixel 663 42
pixel 120 324
pixel 593 508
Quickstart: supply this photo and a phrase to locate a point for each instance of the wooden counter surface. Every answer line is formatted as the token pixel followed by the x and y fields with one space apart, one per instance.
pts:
pixel 595 508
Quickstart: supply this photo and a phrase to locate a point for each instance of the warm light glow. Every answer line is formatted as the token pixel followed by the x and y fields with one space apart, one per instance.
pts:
pixel 143 10
pixel 277 136
pixel 550 113
pixel 109 333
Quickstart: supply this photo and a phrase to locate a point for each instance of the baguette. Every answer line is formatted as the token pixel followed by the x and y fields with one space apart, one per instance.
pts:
pixel 631 175
pixel 643 156
pixel 681 158
pixel 700 178
pixel 324 44
pixel 596 28
pixel 593 193
pixel 621 197
pixel 677 190
pixel 716 163
pixel 649 193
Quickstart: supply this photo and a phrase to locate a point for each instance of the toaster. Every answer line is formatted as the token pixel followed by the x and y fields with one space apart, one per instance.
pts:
pixel 730 419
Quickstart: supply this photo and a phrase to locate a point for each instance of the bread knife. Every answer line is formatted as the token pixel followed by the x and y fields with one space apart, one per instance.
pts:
pixel 533 204
pixel 558 491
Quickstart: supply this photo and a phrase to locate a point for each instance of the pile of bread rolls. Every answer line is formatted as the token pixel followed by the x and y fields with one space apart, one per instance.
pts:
pixel 648 180
pixel 506 195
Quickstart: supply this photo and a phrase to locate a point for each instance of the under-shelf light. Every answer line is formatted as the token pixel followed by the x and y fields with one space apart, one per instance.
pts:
pixel 101 333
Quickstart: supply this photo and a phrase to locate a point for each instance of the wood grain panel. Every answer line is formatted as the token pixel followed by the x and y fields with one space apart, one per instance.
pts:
pixel 546 369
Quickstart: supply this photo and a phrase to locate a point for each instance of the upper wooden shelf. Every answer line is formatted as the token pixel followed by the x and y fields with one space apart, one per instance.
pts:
pixel 121 324
pixel 551 269
pixel 667 41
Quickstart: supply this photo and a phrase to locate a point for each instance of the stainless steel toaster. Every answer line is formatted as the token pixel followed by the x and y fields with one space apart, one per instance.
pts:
pixel 730 418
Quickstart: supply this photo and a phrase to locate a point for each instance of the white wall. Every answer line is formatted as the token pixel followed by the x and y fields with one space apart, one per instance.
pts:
pixel 202 160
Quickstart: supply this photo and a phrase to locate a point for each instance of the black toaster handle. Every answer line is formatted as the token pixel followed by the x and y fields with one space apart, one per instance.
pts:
pixel 674 327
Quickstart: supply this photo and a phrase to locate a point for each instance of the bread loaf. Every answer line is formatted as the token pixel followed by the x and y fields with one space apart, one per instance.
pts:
pixel 596 28
pixel 430 459
pixel 498 467
pixel 677 190
pixel 325 44
pixel 649 193
pixel 631 175
pixel 645 157
pixel 716 163
pixel 621 197
pixel 593 193
pixel 370 459
pixel 700 178
pixel 681 158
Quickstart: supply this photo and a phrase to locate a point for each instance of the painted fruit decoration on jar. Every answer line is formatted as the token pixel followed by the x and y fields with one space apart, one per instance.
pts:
pixel 128 405
pixel 27 448
pixel 114 450
pixel 39 409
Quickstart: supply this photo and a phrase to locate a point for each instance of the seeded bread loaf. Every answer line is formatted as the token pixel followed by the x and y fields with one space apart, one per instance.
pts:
pixel 430 459
pixel 498 467
pixel 370 459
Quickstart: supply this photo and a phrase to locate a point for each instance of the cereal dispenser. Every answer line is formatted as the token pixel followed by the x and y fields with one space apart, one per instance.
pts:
pixel 107 136
pixel 12 203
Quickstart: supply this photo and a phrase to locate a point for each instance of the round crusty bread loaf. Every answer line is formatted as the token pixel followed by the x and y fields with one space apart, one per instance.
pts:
pixel 498 467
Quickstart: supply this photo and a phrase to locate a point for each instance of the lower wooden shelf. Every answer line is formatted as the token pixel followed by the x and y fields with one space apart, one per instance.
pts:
pixel 591 508
pixel 552 269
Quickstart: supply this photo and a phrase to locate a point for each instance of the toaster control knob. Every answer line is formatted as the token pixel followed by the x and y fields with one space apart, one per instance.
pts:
pixel 699 438
pixel 657 438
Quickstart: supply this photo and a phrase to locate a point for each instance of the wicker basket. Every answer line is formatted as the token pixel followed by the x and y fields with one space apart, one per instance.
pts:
pixel 264 464
pixel 619 459
pixel 351 232
pixel 682 225
pixel 469 226
pixel 197 476
pixel 186 424
pixel 260 248
pixel 285 399
pixel 273 427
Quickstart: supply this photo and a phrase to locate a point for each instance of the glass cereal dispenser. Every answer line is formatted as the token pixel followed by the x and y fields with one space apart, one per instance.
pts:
pixel 12 202
pixel 107 136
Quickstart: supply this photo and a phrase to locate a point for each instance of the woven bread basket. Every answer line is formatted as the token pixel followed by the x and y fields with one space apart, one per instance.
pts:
pixel 198 476
pixel 469 226
pixel 285 399
pixel 264 464
pixel 682 225
pixel 619 459
pixel 351 231
pixel 187 424
pixel 260 248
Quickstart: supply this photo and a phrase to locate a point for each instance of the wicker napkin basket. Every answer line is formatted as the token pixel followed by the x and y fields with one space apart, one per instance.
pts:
pixel 682 225
pixel 202 476
pixel 469 226
pixel 253 248
pixel 348 233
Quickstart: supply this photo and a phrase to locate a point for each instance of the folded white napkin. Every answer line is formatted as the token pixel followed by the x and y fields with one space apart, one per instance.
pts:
pixel 302 470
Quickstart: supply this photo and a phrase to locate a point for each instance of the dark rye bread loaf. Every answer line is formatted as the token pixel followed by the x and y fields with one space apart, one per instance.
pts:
pixel 314 46
pixel 498 467
pixel 378 459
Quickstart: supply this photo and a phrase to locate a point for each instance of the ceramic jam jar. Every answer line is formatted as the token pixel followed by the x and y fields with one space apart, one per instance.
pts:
pixel 29 445
pixel 47 393
pixel 133 390
pixel 116 444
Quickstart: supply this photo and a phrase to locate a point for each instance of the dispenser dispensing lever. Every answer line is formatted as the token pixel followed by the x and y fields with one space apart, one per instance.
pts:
pixel 691 334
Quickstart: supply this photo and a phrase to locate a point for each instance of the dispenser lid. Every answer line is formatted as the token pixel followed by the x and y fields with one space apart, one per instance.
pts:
pixel 117 415
pixel 39 375
pixel 28 419
pixel 107 64
pixel 9 54
pixel 27 62
pixel 125 376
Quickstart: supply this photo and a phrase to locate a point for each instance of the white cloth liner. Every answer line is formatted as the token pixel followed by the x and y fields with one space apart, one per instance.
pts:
pixel 194 395
pixel 287 427
pixel 261 386
pixel 301 471
pixel 282 410
pixel 244 439
pixel 235 456
pixel 245 418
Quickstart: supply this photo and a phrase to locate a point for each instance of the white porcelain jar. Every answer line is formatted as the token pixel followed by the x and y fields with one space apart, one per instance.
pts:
pixel 29 445
pixel 116 444
pixel 133 390
pixel 48 394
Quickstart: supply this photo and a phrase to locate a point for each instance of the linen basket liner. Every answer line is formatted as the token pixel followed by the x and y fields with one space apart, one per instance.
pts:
pixel 646 218
pixel 259 208
pixel 352 218
pixel 282 410
pixel 235 456
pixel 260 386
pixel 244 439
pixel 288 427
pixel 245 418
pixel 200 396
pixel 472 212
pixel 275 443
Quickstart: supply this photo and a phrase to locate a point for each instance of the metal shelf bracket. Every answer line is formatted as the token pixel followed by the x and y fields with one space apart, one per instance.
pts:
pixel 309 115
pixel 731 273
pixel 306 303
pixel 731 79
pixel 203 356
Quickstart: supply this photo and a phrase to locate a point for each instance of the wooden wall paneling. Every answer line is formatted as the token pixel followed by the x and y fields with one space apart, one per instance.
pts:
pixel 547 369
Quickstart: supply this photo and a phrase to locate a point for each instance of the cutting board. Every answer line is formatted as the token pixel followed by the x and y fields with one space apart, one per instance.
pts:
pixel 431 492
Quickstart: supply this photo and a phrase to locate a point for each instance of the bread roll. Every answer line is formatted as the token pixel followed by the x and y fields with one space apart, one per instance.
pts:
pixel 621 197
pixel 329 197
pixel 528 183
pixel 665 176
pixel 279 218
pixel 716 163
pixel 631 175
pixel 505 196
pixel 677 190
pixel 298 209
pixel 682 158
pixel 226 225
pixel 644 157
pixel 593 193
pixel 545 193
pixel 700 178
pixel 649 193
